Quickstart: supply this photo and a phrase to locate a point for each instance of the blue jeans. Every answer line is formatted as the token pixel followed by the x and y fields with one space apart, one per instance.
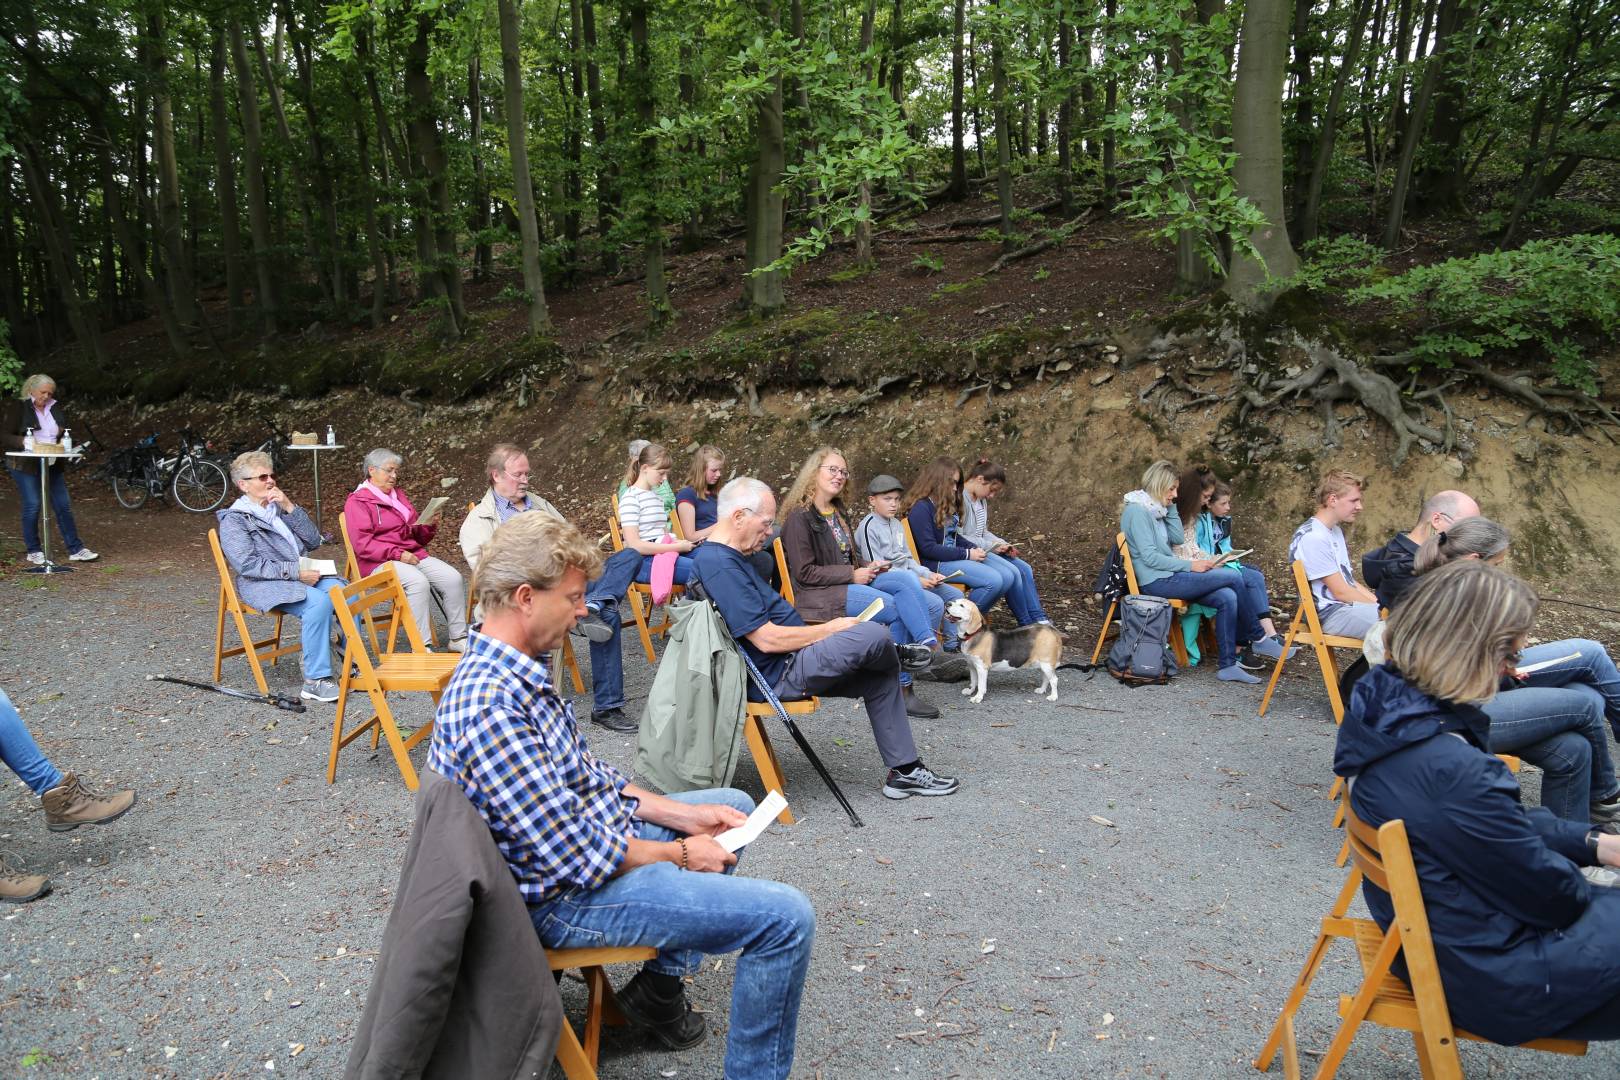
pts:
pixel 1254 603
pixel 315 615
pixel 857 600
pixel 985 584
pixel 22 754
pixel 920 611
pixel 687 915
pixel 27 481
pixel 607 657
pixel 683 570
pixel 1216 589
pixel 1593 669
pixel 1018 577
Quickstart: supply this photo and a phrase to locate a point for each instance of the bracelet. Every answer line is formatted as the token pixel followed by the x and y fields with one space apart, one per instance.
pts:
pixel 1592 845
pixel 681 840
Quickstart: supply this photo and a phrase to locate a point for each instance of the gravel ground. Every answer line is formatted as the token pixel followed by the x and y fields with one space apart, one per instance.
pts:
pixel 230 922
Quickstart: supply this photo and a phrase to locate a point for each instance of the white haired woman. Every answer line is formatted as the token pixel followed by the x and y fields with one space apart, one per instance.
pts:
pixel 38 409
pixel 263 536
pixel 384 529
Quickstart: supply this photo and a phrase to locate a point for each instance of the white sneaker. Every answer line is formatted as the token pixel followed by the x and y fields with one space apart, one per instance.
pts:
pixel 84 555
pixel 37 558
pixel 1601 875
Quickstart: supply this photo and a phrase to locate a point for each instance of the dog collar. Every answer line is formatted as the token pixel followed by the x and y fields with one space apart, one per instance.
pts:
pixel 969 637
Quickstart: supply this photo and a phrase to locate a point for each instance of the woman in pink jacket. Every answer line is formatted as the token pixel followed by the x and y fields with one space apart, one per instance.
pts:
pixel 383 529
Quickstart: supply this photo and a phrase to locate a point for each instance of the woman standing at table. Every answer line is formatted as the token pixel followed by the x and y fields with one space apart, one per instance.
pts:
pixel 383 529
pixel 39 409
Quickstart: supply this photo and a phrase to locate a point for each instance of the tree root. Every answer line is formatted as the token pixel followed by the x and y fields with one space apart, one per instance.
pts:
pixel 995 218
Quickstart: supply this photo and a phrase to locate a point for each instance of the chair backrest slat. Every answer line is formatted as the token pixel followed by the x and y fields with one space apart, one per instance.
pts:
pixel 363 598
pixel 782 569
pixel 227 580
pixel 351 565
pixel 1125 560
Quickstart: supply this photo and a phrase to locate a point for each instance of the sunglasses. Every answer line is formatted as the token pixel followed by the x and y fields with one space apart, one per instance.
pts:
pixel 263 477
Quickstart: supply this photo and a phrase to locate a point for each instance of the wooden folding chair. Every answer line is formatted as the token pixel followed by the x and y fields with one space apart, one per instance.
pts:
pixel 1313 636
pixel 1178 644
pixel 1384 856
pixel 256 650
pixel 391 671
pixel 576 1054
pixel 351 572
pixel 640 596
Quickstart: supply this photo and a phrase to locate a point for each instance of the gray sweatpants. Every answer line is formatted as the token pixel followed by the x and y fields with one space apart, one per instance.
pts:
pixel 858 663
pixel 1350 620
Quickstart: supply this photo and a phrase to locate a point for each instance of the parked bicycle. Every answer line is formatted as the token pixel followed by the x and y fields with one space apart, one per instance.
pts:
pixel 190 474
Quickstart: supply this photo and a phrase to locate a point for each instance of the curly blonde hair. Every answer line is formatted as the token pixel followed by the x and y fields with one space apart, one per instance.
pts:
pixel 803 490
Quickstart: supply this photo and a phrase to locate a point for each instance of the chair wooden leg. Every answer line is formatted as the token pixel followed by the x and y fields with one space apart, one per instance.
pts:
pixel 1276 672
pixel 251 652
pixel 219 637
pixel 275 641
pixel 1330 676
pixel 641 625
pixel 573 667
pixel 1178 645
pixel 770 770
pixel 1291 1049
pixel 1282 1031
pixel 571 1056
pixel 402 756
pixel 1108 620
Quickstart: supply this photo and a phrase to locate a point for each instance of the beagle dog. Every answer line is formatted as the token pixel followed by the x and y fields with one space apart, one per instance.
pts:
pixel 1039 645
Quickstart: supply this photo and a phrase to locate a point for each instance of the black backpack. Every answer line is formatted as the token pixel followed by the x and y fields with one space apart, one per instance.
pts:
pixel 1141 655
pixel 1110 584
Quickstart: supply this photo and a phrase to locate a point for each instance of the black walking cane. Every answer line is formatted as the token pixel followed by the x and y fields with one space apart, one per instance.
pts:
pixel 284 703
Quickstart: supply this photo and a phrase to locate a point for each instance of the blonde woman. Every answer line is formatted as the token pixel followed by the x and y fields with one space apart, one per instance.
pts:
pixel 695 503
pixel 1525 945
pixel 39 411
pixel 1152 531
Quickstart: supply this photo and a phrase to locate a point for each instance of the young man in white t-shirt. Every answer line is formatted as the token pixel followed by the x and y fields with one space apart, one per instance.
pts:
pixel 1345 607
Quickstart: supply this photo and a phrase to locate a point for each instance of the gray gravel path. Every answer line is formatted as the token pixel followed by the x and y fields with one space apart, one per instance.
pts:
pixel 231 920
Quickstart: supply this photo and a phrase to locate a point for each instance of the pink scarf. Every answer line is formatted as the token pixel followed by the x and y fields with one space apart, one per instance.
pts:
pixel 388 497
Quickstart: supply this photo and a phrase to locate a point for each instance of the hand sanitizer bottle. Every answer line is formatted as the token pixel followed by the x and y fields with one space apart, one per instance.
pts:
pixel 28 441
pixel 67 441
pixel 331 436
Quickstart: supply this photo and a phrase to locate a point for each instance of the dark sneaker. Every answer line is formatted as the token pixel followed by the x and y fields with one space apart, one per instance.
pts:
pixel 595 627
pixel 917 707
pixel 69 805
pixel 615 720
pixel 319 690
pixel 918 781
pixel 914 658
pixel 1248 661
pixel 670 1020
pixel 1604 813
pixel 17 887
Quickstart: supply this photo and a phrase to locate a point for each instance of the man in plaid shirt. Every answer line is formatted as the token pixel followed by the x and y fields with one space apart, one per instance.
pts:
pixel 600 861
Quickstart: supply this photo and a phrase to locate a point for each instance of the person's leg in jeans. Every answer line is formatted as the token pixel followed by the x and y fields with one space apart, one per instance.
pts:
pixel 683 570
pixel 618 571
pixel 1214 589
pixel 447 584
pixel 1541 724
pixel 22 754
pixel 315 617
pixel 1020 588
pixel 1593 667
pixel 938 597
pixel 983 583
pixel 1026 583
pixel 1253 604
pixel 858 663
pixel 57 485
pixel 687 915
pixel 859 597
pixel 607 669
pixel 28 495
pixel 911 603
pixel 1349 620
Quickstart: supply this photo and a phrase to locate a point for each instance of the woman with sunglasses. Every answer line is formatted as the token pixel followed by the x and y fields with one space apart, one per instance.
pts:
pixel 263 535
pixel 1524 944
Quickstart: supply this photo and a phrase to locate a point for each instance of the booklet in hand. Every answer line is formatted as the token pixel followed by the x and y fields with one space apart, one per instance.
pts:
pixel 749 831
pixel 871 609
pixel 431 514
pixel 1233 556
pixel 323 567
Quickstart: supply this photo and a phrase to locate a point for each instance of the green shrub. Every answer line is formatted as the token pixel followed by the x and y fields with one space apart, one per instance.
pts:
pixel 928 264
pixel 10 365
pixel 1541 296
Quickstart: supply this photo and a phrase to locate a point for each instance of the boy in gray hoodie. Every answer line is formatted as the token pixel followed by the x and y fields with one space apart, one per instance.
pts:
pixel 881 536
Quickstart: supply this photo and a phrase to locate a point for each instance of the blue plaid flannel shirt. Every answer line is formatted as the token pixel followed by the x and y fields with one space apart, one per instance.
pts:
pixel 559 816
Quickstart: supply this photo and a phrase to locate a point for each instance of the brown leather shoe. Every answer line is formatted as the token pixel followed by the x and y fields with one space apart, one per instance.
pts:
pixel 69 805
pixel 17 887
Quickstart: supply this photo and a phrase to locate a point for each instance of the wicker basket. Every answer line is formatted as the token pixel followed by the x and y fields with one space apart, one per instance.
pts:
pixel 304 438
pixel 48 448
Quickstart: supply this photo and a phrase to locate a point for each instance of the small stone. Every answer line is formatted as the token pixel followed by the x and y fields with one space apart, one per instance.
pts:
pixel 1098 380
pixel 448 482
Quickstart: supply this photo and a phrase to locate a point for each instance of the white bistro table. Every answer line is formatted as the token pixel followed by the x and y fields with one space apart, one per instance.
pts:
pixel 315 450
pixel 45 463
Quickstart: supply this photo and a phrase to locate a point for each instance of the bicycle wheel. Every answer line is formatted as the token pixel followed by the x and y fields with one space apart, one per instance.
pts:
pixel 199 485
pixel 130 492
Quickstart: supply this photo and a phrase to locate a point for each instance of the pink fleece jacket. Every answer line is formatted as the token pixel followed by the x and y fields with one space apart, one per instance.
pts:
pixel 378 532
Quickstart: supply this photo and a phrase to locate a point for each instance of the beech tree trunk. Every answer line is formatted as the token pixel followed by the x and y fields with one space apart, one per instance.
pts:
pixel 1451 12
pixel 1257 140
pixel 652 225
pixel 265 298
pixel 57 236
pixel 517 141
pixel 1310 217
pixel 958 185
pixel 998 92
pixel 182 293
pixel 438 224
pixel 762 290
pixel 230 224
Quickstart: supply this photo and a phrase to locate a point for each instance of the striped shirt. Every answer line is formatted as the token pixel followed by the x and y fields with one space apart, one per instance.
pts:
pixel 559 816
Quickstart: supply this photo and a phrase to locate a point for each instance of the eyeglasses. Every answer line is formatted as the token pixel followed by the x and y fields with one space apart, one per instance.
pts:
pixel 263 477
pixel 836 471
pixel 1512 659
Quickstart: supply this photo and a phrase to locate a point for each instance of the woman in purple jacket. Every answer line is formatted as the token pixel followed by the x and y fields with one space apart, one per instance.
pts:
pixel 383 529
pixel 934 505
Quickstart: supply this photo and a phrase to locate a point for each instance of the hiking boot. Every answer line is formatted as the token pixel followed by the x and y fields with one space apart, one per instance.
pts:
pixel 917 707
pixel 320 690
pixel 615 720
pixel 68 805
pixel 919 781
pixel 670 1020
pixel 1601 875
pixel 914 658
pixel 595 627
pixel 17 887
